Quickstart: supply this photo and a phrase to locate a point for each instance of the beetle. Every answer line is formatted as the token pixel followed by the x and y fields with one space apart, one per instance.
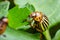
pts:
pixel 39 21
pixel 3 24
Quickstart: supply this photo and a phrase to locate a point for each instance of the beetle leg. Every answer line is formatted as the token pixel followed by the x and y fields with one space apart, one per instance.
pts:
pixel 41 36
pixel 32 24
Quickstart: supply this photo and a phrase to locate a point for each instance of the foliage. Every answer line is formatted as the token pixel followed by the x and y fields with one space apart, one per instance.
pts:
pixel 4 8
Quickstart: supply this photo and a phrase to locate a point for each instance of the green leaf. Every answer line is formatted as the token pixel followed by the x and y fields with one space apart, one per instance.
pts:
pixel 57 36
pixel 20 2
pixel 19 35
pixel 4 8
pixel 30 7
pixel 51 8
pixel 16 17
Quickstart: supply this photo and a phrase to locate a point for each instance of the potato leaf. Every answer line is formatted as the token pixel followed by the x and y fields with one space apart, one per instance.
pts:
pixel 18 35
pixel 57 36
pixel 4 6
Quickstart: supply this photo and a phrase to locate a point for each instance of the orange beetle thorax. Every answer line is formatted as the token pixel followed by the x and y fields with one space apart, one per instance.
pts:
pixel 37 16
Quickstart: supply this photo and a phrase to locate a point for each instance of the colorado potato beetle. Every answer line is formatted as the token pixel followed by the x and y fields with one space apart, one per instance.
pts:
pixel 39 21
pixel 3 24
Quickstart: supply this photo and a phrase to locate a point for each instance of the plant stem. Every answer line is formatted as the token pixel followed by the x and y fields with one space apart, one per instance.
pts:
pixel 47 35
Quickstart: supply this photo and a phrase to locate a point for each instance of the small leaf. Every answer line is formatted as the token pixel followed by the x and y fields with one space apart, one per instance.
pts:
pixel 16 17
pixel 30 7
pixel 20 2
pixel 4 6
pixel 57 36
